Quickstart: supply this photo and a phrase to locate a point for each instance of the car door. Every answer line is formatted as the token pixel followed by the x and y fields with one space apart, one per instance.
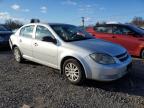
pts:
pixel 44 52
pixel 104 32
pixel 25 40
pixel 121 36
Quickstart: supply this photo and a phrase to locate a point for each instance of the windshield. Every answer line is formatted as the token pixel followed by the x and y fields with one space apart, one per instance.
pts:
pixel 137 29
pixel 70 33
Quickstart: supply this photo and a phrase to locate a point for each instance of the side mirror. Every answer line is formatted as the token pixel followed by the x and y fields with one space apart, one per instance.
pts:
pixel 49 39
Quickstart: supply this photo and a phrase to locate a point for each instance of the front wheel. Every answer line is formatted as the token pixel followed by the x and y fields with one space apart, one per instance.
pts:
pixel 142 54
pixel 17 55
pixel 73 71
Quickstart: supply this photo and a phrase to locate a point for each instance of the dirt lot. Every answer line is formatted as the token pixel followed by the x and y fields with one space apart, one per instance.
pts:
pixel 41 87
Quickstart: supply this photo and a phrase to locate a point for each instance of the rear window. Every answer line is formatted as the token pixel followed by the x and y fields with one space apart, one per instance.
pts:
pixel 103 29
pixel 3 28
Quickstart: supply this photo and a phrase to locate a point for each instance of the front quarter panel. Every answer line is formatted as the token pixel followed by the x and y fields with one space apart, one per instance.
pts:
pixel 64 52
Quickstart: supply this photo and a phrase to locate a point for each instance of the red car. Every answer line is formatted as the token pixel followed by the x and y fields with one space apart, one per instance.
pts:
pixel 129 36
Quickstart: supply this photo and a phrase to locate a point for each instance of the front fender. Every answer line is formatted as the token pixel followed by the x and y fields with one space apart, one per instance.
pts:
pixel 80 58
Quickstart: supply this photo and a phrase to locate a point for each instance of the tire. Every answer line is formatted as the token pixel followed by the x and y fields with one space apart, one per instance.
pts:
pixel 73 71
pixel 17 55
pixel 142 54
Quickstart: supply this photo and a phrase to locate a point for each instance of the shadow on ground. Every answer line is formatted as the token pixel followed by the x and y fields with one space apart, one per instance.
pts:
pixel 132 83
pixel 5 50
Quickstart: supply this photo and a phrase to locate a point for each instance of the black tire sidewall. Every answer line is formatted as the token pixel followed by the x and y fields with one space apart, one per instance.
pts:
pixel 81 70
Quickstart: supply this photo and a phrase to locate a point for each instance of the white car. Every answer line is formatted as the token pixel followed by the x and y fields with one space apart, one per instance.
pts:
pixel 71 50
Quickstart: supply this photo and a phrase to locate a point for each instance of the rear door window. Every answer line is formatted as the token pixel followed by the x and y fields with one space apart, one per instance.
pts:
pixel 121 30
pixel 103 29
pixel 27 31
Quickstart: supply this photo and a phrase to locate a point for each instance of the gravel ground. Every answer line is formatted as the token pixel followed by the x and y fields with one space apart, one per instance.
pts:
pixel 36 86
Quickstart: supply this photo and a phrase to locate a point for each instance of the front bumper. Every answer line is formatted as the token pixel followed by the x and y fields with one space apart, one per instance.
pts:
pixel 102 72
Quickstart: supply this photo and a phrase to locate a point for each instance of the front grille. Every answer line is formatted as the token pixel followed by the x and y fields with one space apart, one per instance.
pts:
pixel 123 57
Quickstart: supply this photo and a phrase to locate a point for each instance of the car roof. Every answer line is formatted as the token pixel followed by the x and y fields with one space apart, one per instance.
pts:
pixel 58 24
pixel 48 24
pixel 112 25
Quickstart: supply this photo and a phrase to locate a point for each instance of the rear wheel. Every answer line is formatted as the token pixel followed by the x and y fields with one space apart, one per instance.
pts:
pixel 17 55
pixel 73 71
pixel 142 54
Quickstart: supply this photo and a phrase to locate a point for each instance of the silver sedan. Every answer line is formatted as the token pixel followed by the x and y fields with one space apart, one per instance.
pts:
pixel 73 51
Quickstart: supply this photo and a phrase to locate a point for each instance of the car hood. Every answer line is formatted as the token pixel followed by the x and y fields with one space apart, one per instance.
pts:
pixel 97 45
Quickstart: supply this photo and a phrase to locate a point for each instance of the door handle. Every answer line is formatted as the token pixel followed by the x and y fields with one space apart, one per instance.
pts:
pixel 20 40
pixel 35 44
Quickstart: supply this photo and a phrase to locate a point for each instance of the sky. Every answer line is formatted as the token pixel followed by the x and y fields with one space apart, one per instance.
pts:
pixel 71 11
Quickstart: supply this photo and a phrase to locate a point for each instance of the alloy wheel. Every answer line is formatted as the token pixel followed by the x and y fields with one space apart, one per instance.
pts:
pixel 17 54
pixel 72 72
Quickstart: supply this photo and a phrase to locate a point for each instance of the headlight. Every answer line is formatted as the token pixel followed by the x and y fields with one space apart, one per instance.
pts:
pixel 1 39
pixel 102 58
